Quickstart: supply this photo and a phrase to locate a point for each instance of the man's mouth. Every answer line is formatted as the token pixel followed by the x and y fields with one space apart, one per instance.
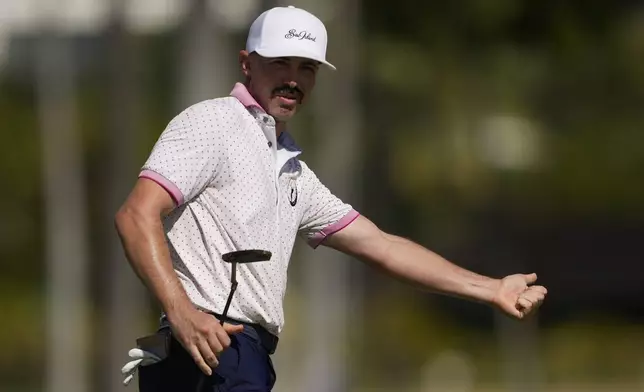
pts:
pixel 288 96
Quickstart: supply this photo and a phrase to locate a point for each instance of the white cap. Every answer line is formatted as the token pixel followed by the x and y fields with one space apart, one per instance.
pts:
pixel 288 32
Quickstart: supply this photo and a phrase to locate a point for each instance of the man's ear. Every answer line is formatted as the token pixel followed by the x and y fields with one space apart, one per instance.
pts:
pixel 244 62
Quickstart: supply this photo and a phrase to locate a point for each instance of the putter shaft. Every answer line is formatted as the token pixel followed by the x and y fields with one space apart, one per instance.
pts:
pixel 233 287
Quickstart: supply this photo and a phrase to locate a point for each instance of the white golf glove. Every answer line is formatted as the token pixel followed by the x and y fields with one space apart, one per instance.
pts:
pixel 139 358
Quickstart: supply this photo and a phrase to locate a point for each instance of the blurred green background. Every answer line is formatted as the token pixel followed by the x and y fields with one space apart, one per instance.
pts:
pixel 505 135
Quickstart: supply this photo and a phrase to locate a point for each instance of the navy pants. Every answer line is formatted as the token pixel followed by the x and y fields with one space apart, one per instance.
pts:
pixel 245 366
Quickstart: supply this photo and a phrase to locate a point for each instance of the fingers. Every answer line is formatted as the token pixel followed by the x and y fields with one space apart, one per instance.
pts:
pixel 129 375
pixel 219 340
pixel 517 297
pixel 128 379
pixel 516 313
pixel 223 338
pixel 524 303
pixel 195 353
pixel 210 350
pixel 131 366
pixel 217 345
pixel 533 295
pixel 511 309
pixel 531 299
pixel 137 353
pixel 205 339
pixel 530 278
pixel 233 329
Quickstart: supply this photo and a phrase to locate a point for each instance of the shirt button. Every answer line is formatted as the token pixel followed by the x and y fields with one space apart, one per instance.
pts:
pixel 270 144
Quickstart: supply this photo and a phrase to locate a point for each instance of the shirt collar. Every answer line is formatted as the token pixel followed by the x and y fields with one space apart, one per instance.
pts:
pixel 242 94
pixel 287 142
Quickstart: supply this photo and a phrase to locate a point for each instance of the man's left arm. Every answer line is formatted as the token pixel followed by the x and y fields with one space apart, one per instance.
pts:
pixel 401 258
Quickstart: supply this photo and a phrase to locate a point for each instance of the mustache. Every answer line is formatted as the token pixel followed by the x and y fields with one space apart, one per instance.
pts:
pixel 286 89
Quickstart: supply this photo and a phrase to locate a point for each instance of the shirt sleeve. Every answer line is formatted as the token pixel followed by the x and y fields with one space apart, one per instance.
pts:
pixel 186 157
pixel 324 214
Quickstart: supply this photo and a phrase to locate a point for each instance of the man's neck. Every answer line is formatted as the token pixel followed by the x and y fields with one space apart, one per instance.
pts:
pixel 279 128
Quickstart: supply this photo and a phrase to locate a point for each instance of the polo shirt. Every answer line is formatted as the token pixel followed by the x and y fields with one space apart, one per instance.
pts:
pixel 237 187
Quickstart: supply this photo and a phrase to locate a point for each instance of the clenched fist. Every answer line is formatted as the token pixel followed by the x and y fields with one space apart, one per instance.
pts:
pixel 517 298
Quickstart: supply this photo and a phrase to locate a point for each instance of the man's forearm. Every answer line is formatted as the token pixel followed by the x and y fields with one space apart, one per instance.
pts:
pixel 413 263
pixel 147 252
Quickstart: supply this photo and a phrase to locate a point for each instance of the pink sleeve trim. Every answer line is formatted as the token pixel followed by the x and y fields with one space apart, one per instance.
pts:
pixel 168 185
pixel 319 237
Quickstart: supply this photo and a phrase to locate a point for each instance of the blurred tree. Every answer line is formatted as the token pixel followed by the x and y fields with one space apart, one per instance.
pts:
pixel 330 292
pixel 203 72
pixel 66 241
pixel 126 302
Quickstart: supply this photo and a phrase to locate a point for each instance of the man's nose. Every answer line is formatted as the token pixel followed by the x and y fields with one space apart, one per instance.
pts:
pixel 291 77
pixel 290 82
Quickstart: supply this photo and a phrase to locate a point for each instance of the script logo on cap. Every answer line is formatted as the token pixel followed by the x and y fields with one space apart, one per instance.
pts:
pixel 292 33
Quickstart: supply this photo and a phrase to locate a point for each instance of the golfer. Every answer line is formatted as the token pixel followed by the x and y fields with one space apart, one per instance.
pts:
pixel 225 175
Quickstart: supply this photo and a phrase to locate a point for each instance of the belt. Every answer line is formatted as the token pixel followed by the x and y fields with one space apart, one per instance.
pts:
pixel 253 330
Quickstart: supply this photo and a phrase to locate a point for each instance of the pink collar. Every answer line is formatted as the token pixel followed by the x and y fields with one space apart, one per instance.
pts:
pixel 241 93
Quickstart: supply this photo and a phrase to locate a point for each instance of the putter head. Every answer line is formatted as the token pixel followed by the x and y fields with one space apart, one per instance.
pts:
pixel 247 256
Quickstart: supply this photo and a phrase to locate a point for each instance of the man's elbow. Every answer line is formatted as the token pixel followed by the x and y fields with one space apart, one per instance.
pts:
pixel 121 218
pixel 126 218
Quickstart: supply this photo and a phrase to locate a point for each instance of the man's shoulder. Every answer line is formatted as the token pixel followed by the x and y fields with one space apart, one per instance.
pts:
pixel 217 106
pixel 305 167
pixel 225 110
pixel 307 173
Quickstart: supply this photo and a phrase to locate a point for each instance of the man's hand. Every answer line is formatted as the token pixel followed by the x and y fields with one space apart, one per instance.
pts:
pixel 202 336
pixel 517 298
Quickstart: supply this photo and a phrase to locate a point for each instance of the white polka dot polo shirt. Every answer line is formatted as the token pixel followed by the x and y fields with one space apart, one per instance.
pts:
pixel 238 187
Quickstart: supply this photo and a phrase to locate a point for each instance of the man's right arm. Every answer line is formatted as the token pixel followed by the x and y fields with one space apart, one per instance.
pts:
pixel 139 225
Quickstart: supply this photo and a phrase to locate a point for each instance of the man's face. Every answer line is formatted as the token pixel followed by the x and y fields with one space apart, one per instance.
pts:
pixel 280 84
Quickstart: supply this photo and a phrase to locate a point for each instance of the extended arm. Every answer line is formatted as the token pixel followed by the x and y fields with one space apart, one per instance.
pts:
pixel 421 267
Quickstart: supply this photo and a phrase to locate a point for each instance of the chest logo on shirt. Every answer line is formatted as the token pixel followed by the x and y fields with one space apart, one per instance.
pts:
pixel 292 197
pixel 292 170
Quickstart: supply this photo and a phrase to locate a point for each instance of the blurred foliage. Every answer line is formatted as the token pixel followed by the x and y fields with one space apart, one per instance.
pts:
pixel 568 72
pixel 495 132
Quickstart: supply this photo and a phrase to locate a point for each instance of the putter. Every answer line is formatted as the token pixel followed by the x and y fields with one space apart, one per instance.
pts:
pixel 240 257
pixel 234 258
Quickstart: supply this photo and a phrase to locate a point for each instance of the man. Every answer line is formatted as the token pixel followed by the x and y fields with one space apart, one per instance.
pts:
pixel 225 176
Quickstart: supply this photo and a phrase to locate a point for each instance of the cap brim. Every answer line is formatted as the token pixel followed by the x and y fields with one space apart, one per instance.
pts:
pixel 272 53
